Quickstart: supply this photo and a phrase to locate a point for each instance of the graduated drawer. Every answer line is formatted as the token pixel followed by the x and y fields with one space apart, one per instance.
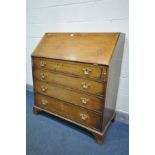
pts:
pixel 74 68
pixel 69 111
pixel 80 99
pixel 81 84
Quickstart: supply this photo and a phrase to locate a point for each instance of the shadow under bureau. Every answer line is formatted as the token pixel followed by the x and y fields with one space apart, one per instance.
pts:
pixel 76 78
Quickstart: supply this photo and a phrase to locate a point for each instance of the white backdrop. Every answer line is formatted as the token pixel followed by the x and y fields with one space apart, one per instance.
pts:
pixel 79 16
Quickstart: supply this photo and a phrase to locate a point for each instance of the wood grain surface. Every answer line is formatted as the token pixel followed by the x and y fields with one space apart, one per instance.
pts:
pixel 80 69
pixel 82 47
pixel 69 111
pixel 92 103
pixel 82 84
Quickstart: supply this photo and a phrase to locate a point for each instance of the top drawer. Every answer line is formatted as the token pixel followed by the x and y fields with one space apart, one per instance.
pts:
pixel 79 69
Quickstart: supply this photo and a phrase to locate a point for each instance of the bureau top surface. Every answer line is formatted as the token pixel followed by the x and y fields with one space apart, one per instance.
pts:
pixel 95 48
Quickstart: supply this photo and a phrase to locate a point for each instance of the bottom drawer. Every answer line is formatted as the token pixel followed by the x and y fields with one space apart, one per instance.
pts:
pixel 69 111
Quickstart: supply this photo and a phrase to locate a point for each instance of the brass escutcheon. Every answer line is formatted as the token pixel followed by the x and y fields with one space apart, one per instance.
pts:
pixel 44 102
pixel 83 117
pixel 44 88
pixel 84 100
pixel 86 71
pixel 43 76
pixel 42 63
pixel 85 85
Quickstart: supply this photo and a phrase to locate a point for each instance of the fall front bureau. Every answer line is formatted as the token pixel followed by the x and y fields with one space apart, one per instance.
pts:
pixel 76 78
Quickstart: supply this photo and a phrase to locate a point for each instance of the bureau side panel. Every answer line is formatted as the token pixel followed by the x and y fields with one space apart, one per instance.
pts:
pixel 114 71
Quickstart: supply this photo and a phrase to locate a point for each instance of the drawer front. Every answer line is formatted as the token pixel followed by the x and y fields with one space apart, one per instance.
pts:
pixel 81 84
pixel 79 69
pixel 87 101
pixel 69 111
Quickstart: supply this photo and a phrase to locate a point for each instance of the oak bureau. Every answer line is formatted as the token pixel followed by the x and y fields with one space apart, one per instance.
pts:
pixel 76 78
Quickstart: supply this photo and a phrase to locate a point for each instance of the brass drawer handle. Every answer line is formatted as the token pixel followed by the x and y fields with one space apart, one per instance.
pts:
pixel 43 76
pixel 44 88
pixel 84 100
pixel 85 85
pixel 42 63
pixel 44 102
pixel 83 117
pixel 86 71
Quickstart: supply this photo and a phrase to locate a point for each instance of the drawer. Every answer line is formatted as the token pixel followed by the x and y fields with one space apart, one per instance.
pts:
pixel 80 69
pixel 69 111
pixel 81 84
pixel 80 99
